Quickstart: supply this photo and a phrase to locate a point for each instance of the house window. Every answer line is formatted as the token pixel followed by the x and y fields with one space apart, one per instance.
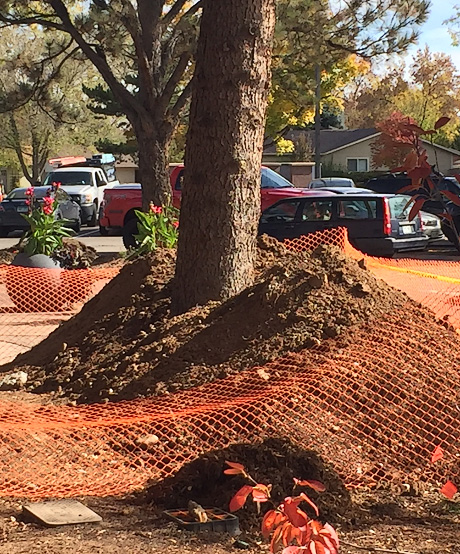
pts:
pixel 358 164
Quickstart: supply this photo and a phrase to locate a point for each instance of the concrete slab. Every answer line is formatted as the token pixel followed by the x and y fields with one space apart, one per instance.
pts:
pixel 59 512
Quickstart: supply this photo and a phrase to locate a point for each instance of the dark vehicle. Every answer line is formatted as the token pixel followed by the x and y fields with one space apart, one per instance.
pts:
pixel 377 224
pixel 392 183
pixel 15 204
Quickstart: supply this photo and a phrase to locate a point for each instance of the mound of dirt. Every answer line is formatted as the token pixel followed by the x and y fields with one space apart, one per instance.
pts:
pixel 125 344
pixel 275 461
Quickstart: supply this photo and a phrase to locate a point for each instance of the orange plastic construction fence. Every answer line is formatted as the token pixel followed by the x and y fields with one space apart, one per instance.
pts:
pixel 377 409
pixel 33 302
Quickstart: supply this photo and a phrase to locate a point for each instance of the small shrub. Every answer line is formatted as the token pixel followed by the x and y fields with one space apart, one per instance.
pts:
pixel 158 228
pixel 290 528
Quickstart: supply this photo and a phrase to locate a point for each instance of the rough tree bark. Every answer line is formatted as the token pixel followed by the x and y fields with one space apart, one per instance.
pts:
pixel 153 146
pixel 220 205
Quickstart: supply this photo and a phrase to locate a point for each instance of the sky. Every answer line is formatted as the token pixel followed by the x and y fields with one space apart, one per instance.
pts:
pixel 435 34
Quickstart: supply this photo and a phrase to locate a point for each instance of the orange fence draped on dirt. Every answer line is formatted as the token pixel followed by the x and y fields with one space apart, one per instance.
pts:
pixel 376 408
pixel 33 302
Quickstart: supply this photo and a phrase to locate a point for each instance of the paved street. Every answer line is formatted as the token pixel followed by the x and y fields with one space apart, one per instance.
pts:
pixel 89 235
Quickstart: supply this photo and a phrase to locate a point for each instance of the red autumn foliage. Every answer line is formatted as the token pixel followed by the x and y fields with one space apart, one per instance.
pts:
pixel 315 485
pixel 291 528
pixel 395 141
pixel 438 454
pixel 449 490
pixel 234 469
pixel 400 143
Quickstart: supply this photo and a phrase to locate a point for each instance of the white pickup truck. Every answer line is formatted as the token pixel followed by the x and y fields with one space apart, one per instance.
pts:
pixel 85 180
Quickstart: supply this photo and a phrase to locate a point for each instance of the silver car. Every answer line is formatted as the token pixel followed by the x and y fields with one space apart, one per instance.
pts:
pixel 431 226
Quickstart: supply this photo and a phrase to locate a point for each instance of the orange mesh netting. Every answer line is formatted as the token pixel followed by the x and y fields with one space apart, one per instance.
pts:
pixel 433 283
pixel 376 408
pixel 33 302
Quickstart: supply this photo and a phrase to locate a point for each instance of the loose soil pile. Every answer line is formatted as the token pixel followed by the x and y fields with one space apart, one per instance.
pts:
pixel 275 461
pixel 125 343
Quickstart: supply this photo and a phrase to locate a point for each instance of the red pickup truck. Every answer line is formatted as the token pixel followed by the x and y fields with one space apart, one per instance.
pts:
pixel 121 201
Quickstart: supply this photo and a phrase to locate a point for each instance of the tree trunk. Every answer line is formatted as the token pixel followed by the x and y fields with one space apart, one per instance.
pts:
pixel 153 165
pixel 35 158
pixel 220 206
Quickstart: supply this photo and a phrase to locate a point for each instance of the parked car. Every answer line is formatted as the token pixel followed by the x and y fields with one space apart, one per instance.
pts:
pixel 85 180
pixel 431 226
pixel 329 182
pixel 392 183
pixel 121 201
pixel 14 205
pixel 377 224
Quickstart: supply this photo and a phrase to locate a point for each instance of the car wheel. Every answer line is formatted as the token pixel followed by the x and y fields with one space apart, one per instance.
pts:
pixel 103 231
pixel 77 226
pixel 93 221
pixel 129 230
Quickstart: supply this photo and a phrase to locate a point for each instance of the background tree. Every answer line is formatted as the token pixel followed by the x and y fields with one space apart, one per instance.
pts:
pixel 103 104
pixel 221 196
pixel 151 39
pixel 370 98
pixel 52 117
pixel 341 37
pixel 391 147
pixel 425 90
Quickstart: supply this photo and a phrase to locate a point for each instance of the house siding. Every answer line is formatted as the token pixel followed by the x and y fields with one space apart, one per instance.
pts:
pixel 442 158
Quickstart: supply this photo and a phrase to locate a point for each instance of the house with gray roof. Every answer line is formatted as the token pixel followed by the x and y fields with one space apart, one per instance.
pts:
pixel 350 150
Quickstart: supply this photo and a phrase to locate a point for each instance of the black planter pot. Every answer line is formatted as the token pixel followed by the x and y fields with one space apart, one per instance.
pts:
pixel 33 283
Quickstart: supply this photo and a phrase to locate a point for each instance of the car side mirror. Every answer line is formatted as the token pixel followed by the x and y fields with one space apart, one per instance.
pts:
pixel 102 184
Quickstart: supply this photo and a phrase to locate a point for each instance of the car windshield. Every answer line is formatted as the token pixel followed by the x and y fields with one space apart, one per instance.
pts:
pixel 272 180
pixel 20 193
pixel 69 178
pixel 399 206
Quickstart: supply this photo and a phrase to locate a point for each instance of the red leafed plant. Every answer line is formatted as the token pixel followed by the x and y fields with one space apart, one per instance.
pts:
pixel 290 528
pixel 400 141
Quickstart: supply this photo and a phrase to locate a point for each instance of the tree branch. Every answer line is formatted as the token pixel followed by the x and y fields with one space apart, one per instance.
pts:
pixel 133 26
pixel 173 12
pixel 17 148
pixel 175 79
pixel 149 17
pixel 10 22
pixel 176 110
pixel 125 97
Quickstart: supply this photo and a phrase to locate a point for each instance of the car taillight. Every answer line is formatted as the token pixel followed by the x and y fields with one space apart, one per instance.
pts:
pixel 422 227
pixel 386 217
